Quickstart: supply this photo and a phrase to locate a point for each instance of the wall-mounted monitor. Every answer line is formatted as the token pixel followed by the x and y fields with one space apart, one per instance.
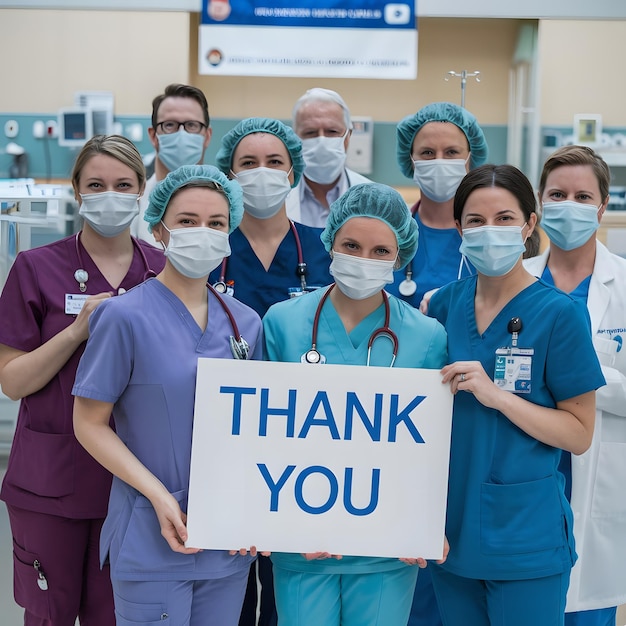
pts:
pixel 75 126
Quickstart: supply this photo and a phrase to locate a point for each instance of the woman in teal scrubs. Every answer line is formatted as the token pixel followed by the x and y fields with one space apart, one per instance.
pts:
pixel 524 374
pixel 369 233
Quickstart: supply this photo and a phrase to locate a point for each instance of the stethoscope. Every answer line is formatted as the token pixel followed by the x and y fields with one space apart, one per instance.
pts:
pixel 224 286
pixel 314 356
pixel 82 276
pixel 239 347
pixel 408 286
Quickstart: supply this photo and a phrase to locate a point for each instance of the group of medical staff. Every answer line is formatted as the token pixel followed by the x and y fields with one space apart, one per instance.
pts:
pixel 279 251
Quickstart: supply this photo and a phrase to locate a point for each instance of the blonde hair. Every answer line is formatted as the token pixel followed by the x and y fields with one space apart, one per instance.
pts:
pixel 114 146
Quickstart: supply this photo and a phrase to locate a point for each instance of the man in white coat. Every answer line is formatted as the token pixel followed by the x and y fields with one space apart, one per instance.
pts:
pixel 180 134
pixel 573 194
pixel 321 119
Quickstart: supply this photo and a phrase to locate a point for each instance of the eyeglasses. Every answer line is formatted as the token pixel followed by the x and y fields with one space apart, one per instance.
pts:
pixel 191 126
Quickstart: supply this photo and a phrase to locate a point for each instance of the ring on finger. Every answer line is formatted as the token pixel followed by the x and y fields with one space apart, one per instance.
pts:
pixel 462 378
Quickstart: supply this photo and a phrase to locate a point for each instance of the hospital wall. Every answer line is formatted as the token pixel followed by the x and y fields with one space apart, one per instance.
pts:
pixel 48 55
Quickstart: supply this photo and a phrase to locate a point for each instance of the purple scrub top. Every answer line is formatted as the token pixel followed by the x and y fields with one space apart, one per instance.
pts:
pixel 48 470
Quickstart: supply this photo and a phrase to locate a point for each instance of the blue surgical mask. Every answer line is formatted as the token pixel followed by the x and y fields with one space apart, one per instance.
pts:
pixel 569 224
pixel 493 250
pixel 438 179
pixel 181 148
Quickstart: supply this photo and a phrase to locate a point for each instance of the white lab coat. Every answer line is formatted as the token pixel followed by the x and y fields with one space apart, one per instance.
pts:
pixel 293 199
pixel 598 579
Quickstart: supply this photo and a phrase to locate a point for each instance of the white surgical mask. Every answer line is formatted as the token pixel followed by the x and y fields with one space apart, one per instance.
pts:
pixel 569 224
pixel 181 148
pixel 360 278
pixel 438 179
pixel 264 190
pixel 109 213
pixel 196 252
pixel 324 158
pixel 493 250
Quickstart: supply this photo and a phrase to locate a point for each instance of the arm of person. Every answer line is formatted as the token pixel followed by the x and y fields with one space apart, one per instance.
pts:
pixel 23 373
pixel 92 429
pixel 612 397
pixel 569 426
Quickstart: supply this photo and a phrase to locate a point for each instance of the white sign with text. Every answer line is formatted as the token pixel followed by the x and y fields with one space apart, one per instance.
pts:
pixel 292 457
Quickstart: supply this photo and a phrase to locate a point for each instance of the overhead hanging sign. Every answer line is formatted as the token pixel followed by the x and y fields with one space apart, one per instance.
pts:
pixel 337 458
pixel 296 38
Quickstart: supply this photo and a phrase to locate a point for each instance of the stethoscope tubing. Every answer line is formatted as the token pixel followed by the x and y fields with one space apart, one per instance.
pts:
pixel 313 355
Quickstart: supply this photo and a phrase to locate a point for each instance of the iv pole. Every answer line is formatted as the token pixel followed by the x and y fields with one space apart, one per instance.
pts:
pixel 464 75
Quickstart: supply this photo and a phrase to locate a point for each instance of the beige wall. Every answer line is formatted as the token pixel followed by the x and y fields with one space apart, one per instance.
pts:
pixel 47 55
pixel 135 54
pixel 582 68
pixel 443 45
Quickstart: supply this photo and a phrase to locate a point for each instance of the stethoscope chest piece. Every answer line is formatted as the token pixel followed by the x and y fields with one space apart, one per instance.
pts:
pixel 239 348
pixel 81 277
pixel 220 286
pixel 407 287
pixel 313 356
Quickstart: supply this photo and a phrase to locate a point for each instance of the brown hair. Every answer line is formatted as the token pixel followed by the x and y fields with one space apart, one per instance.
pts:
pixel 577 155
pixel 176 90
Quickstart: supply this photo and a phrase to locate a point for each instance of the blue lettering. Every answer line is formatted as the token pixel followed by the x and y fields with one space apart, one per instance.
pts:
pixel 275 487
pixel 238 392
pixel 329 422
pixel 289 412
pixel 373 427
pixel 347 493
pixel 404 416
pixel 332 496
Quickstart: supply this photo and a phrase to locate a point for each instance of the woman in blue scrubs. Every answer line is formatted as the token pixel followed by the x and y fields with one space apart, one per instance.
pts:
pixel 272 257
pixel 140 365
pixel 369 233
pixel 524 374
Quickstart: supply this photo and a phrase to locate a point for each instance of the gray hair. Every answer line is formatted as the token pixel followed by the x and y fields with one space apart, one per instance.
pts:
pixel 319 94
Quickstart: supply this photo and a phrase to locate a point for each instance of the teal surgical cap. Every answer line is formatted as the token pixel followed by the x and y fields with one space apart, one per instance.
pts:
pixel 439 112
pixel 231 139
pixel 197 174
pixel 380 202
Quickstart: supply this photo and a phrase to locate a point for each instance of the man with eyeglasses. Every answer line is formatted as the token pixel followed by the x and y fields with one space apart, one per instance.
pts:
pixel 180 134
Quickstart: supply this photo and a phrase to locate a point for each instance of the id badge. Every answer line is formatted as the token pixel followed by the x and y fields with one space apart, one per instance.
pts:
pixel 74 303
pixel 513 371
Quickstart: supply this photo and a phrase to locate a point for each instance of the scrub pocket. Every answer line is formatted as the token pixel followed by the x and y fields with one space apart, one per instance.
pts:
pixel 43 463
pixel 521 518
pixel 611 463
pixel 144 551
pixel 139 614
pixel 28 594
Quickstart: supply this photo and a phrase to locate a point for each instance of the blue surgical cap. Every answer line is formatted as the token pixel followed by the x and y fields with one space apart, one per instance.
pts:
pixel 177 179
pixel 439 112
pixel 224 156
pixel 380 202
